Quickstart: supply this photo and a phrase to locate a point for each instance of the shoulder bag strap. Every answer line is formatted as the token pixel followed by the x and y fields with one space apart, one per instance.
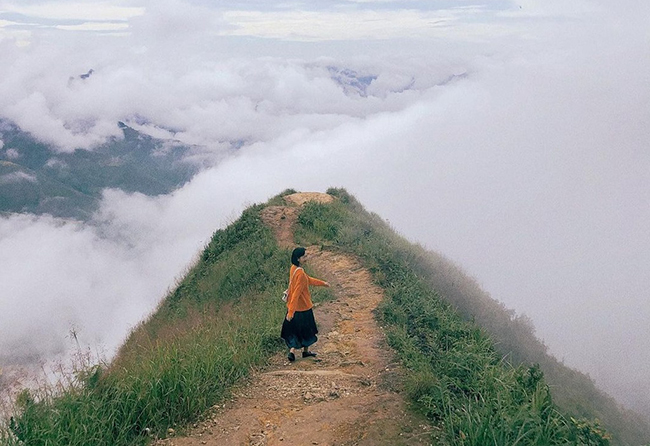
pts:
pixel 293 275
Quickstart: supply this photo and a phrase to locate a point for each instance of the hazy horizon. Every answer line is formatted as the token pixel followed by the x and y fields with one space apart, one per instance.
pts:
pixel 511 137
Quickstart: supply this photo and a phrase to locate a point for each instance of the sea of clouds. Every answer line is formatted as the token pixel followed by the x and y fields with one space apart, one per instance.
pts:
pixel 514 140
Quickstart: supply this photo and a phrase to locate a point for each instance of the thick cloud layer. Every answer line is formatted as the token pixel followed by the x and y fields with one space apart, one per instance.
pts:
pixel 520 150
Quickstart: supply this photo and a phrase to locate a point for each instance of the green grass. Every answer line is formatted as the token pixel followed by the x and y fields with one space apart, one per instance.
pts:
pixel 223 319
pixel 457 375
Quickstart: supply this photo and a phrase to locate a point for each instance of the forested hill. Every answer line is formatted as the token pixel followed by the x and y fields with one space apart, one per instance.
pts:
pixel 37 178
pixel 465 364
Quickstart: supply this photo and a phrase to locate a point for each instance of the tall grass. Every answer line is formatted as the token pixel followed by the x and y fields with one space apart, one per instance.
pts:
pixel 221 320
pixel 456 376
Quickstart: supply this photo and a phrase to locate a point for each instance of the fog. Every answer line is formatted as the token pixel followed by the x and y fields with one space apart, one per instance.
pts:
pixel 511 137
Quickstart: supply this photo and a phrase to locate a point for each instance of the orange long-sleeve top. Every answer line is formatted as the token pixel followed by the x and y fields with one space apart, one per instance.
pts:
pixel 299 298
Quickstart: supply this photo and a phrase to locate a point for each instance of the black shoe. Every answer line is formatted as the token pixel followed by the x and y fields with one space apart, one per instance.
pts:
pixel 291 357
pixel 308 354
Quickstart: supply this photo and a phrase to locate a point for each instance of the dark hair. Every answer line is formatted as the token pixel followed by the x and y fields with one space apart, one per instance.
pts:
pixel 296 254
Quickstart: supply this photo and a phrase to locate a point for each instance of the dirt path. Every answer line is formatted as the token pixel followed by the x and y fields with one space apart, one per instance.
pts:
pixel 349 395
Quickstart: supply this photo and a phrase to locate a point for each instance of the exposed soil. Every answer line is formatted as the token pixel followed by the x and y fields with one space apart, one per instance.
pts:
pixel 348 395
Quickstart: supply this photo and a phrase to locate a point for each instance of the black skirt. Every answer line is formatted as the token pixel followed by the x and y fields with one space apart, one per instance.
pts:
pixel 301 330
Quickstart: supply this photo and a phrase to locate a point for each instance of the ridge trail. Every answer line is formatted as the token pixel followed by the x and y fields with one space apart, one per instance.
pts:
pixel 349 395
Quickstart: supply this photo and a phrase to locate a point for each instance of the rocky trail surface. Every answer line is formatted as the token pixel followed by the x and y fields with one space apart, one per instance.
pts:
pixel 348 395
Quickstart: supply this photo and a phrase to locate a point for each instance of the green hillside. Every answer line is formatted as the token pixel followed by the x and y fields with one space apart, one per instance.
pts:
pixel 26 190
pixel 471 366
pixel 35 178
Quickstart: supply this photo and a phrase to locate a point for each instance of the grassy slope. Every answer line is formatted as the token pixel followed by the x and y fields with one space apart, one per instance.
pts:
pixel 222 319
pixel 219 322
pixel 459 368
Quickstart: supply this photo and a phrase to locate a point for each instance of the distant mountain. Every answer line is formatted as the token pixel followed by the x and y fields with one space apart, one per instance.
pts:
pixel 354 83
pixel 350 80
pixel 35 178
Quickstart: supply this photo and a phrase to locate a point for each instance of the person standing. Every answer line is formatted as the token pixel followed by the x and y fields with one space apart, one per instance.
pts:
pixel 299 328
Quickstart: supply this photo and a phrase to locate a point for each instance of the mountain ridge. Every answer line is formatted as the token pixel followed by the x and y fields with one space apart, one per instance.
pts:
pixel 221 323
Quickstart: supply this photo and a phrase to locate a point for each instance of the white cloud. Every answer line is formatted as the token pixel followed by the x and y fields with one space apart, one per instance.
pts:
pixel 307 25
pixel 467 24
pixel 17 177
pixel 210 100
pixel 95 26
pixel 552 9
pixel 64 10
pixel 5 23
pixel 72 277
pixel 18 37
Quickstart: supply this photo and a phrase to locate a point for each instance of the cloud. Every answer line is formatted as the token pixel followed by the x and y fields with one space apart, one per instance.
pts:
pixel 73 276
pixel 211 100
pixel 317 25
pixel 67 10
pixel 520 153
pixel 170 70
pixel 94 26
pixel 16 177
pixel 552 9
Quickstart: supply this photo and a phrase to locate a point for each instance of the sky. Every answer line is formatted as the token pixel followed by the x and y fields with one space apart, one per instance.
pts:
pixel 511 136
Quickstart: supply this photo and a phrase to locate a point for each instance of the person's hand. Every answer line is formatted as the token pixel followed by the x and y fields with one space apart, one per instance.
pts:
pixel 289 318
